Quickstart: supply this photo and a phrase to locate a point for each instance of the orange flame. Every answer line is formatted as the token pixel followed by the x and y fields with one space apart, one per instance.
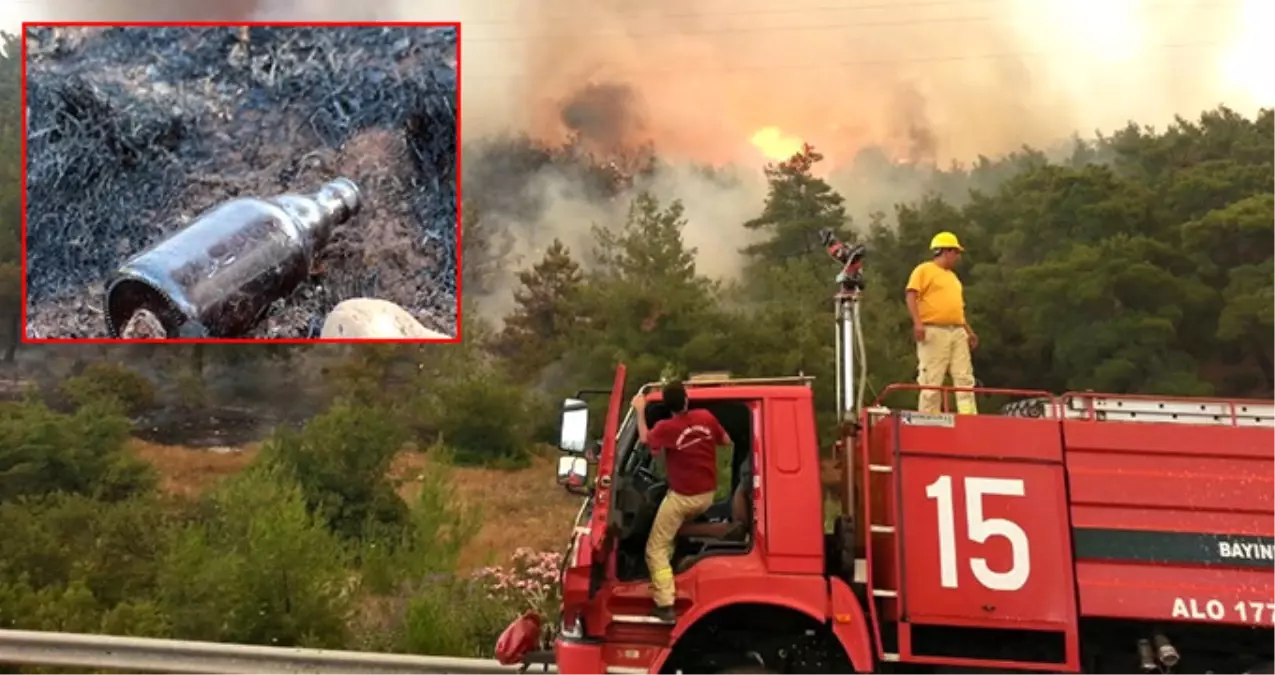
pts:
pixel 775 144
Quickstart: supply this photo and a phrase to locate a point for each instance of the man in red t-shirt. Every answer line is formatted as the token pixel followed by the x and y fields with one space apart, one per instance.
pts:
pixel 689 440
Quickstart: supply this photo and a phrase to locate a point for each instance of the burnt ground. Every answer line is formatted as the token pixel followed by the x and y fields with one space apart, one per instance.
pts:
pixel 216 427
pixel 134 131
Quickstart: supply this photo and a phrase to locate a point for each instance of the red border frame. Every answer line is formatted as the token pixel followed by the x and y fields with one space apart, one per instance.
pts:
pixel 228 24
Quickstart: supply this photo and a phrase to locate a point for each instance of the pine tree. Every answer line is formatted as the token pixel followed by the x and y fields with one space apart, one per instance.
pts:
pixel 798 206
pixel 545 313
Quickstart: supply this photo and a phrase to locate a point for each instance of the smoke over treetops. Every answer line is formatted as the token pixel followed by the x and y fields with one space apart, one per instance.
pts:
pixel 737 82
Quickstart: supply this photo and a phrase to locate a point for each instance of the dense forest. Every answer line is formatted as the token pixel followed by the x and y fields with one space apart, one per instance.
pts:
pixel 1149 272
pixel 1141 262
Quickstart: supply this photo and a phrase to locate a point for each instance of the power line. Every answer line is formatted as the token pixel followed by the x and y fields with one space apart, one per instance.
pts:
pixel 1159 4
pixel 871 63
pixel 671 33
pixel 666 33
pixel 824 65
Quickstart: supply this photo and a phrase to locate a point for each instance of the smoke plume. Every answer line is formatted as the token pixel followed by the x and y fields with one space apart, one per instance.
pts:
pixel 738 82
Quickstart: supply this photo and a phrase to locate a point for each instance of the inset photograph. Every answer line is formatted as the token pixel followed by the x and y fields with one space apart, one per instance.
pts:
pixel 241 182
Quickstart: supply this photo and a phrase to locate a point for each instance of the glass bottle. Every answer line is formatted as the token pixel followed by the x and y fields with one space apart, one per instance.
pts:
pixel 217 276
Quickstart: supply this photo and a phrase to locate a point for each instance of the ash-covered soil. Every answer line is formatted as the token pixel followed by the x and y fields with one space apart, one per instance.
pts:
pixel 133 132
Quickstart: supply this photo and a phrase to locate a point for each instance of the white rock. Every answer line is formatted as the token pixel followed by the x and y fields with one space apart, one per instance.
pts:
pixel 369 318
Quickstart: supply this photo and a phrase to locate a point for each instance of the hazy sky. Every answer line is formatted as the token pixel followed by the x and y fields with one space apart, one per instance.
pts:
pixel 741 81
pixel 714 80
pixel 11 15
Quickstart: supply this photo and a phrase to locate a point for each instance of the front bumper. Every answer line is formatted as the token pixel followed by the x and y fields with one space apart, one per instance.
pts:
pixel 576 656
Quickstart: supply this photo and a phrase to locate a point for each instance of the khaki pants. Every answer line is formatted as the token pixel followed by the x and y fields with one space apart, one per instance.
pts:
pixel 674 510
pixel 945 349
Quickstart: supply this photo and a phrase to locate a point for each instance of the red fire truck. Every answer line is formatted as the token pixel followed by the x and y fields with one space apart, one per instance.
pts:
pixel 1077 533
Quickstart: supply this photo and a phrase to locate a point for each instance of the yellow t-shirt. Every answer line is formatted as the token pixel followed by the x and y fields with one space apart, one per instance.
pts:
pixel 939 295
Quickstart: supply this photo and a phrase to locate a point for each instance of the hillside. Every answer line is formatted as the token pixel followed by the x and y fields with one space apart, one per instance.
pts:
pixel 521 508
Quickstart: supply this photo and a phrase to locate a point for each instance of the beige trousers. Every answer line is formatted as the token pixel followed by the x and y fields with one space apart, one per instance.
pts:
pixel 945 349
pixel 674 510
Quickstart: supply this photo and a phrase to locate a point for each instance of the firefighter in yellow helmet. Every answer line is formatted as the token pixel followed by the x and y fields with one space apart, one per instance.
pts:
pixel 943 337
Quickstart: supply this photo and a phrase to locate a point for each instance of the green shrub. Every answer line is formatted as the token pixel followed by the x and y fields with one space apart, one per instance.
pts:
pixel 105 381
pixel 73 608
pixel 69 608
pixel 439 528
pixel 341 459
pixel 71 563
pixel 366 374
pixel 439 614
pixel 464 616
pixel 42 451
pixel 60 538
pixel 260 570
pixel 483 417
pixel 454 617
pixel 544 415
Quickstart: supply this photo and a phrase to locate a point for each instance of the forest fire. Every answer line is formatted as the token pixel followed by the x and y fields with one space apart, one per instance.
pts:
pixel 775 144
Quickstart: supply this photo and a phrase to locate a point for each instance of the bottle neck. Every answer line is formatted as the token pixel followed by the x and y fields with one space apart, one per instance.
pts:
pixel 317 214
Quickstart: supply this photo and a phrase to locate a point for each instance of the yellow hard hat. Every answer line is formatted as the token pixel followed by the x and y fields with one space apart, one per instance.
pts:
pixel 945 240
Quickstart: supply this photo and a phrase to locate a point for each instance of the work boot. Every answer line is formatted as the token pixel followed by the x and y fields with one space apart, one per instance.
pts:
pixel 665 614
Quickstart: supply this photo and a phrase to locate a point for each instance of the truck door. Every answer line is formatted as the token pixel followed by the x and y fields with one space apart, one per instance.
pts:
pixel 602 492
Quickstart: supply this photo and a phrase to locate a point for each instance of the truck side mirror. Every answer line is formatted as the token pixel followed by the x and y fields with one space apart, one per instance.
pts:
pixel 572 471
pixel 575 426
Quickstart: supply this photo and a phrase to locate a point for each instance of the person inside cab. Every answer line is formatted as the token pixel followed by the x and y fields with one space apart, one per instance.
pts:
pixel 936 301
pixel 688 440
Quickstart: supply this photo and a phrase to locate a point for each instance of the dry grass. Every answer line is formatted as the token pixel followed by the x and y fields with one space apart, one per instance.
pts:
pixel 519 508
pixel 188 471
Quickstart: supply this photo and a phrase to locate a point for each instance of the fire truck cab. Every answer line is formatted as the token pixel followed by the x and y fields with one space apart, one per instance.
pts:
pixel 776 581
pixel 1075 533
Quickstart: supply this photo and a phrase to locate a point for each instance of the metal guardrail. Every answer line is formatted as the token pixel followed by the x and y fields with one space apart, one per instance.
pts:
pixel 138 655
